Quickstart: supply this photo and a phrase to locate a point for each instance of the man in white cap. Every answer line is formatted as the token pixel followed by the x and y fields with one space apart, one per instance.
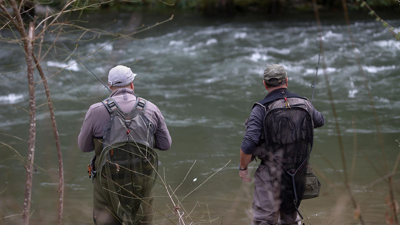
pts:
pixel 120 81
pixel 279 132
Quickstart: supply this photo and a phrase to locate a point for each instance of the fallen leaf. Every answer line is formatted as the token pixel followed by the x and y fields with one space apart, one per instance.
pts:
pixel 389 218
pixel 357 212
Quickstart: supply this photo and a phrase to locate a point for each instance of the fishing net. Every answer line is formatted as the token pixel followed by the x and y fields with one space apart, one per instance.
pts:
pixel 127 177
pixel 289 136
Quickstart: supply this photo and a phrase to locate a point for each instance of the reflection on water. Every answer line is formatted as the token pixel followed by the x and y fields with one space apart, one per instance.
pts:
pixel 205 75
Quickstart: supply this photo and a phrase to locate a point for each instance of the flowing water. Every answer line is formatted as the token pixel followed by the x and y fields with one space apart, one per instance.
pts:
pixel 205 74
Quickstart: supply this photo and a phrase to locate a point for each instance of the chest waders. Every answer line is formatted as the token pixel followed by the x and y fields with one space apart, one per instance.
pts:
pixel 126 162
pixel 288 133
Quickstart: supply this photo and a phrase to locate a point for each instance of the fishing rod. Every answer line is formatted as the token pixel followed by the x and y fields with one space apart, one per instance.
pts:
pixel 79 60
pixel 316 74
pixel 85 66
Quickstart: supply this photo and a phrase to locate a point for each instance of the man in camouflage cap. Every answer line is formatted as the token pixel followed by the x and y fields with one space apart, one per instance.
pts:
pixel 268 206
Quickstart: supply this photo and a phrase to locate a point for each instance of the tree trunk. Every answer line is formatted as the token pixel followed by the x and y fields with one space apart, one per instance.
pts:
pixel 32 124
pixel 56 138
pixel 27 40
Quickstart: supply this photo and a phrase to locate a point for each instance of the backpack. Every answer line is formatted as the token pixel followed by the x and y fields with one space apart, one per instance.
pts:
pixel 128 164
pixel 288 136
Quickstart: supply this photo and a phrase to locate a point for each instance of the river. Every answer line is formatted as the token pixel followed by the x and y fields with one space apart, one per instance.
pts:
pixel 205 74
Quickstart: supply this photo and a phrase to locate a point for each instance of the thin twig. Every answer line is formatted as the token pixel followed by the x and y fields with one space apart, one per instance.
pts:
pixel 209 216
pixel 344 210
pixel 19 157
pixel 101 47
pixel 56 139
pixel 184 177
pixel 344 4
pixel 42 36
pixel 353 163
pixel 308 218
pixel 13 137
pixel 205 181
pixel 339 135
pixel 130 192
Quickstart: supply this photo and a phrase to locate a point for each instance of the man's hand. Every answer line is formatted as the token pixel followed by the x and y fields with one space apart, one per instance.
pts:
pixel 245 159
pixel 243 175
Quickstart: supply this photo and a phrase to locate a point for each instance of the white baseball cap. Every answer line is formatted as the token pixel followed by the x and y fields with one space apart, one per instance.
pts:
pixel 120 76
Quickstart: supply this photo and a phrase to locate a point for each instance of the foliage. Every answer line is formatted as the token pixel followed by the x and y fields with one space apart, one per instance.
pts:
pixel 227 6
pixel 364 4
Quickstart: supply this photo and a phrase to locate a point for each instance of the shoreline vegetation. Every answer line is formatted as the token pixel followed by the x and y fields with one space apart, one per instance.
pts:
pixel 230 7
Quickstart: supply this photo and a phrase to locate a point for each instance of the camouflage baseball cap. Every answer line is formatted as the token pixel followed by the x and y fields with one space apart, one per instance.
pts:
pixel 275 71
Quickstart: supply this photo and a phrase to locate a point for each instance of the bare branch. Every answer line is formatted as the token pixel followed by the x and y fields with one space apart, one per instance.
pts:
pixel 339 136
pixel 6 12
pixel 56 138
pixel 42 36
pixel 48 50
pixel 19 156
pixel 13 137
pixel 184 177
pixel 166 3
pixel 19 23
pixel 55 19
pixel 32 121
pixel 108 42
pixel 205 180
pixel 57 15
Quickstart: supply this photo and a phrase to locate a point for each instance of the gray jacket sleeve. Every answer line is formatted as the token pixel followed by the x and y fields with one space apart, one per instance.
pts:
pixel 254 130
pixel 162 138
pixel 85 138
pixel 318 118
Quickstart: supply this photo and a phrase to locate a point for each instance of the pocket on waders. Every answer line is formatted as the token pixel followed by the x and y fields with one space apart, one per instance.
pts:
pixel 313 185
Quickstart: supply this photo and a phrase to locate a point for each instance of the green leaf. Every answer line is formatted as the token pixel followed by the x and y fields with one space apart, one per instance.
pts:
pixel 378 19
pixel 391 29
pixel 385 24
pixel 372 13
pixel 363 4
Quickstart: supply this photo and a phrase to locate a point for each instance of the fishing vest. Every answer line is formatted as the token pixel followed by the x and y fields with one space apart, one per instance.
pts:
pixel 127 163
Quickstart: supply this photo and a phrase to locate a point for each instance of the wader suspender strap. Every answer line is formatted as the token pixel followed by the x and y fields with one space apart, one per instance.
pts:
pixel 110 104
pixel 140 103
pixel 113 108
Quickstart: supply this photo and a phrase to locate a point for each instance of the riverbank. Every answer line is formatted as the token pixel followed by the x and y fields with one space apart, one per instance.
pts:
pixel 234 7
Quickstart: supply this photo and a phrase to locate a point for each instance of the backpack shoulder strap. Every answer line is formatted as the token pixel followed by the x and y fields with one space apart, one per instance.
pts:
pixel 263 106
pixel 140 104
pixel 111 105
